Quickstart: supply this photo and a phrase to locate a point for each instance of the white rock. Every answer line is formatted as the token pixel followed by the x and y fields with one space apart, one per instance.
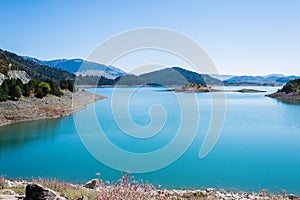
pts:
pixel 15 74
pixel 11 197
pixel 210 190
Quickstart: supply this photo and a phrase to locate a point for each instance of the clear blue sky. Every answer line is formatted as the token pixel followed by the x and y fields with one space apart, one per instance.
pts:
pixel 241 36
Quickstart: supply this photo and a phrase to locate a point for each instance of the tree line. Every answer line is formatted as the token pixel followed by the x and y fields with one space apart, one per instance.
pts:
pixel 13 89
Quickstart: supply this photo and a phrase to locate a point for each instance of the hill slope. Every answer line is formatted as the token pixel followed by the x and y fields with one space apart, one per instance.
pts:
pixel 82 67
pixel 168 76
pixel 32 68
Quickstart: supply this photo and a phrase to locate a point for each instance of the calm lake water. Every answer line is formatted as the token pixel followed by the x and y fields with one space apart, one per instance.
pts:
pixel 259 147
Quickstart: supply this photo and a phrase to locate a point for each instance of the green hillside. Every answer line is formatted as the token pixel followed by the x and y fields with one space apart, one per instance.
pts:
pixel 168 76
pixel 178 76
pixel 6 64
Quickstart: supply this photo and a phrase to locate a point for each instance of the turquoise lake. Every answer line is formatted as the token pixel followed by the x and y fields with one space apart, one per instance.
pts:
pixel 259 146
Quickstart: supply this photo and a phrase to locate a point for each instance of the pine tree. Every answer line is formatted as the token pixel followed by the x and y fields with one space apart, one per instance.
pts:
pixel 26 90
pixel 16 93
pixel 3 96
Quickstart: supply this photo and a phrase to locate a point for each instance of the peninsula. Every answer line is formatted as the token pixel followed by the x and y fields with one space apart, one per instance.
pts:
pixel 289 93
pixel 29 91
pixel 33 108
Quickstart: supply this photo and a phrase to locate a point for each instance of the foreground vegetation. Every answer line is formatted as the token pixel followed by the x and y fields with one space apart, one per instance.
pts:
pixel 128 188
pixel 125 188
pixel 12 89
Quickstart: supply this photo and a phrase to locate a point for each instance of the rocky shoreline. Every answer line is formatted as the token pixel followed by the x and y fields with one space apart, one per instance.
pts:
pixel 32 108
pixel 96 189
pixel 293 97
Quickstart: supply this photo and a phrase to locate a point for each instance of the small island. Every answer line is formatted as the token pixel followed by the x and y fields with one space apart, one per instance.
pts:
pixel 195 87
pixel 199 88
pixel 289 93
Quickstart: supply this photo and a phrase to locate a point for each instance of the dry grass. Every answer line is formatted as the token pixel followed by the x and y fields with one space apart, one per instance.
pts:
pixel 2 182
pixel 126 188
pixel 68 190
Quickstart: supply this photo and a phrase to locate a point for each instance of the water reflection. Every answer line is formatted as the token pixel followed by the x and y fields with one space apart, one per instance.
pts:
pixel 17 135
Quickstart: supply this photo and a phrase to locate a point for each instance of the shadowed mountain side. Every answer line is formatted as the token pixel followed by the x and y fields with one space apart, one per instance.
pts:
pixel 81 67
pixel 32 68
pixel 168 76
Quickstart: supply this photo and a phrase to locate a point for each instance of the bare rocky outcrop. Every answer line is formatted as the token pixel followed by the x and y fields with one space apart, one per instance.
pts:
pixel 15 74
pixel 33 191
pixel 39 192
pixel 92 184
pixel 11 197
pixel 18 74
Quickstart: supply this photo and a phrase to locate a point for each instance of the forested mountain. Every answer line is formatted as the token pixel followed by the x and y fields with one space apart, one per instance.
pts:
pixel 168 76
pixel 33 69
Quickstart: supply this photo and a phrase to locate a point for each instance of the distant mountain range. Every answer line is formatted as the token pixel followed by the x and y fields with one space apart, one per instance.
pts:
pixel 81 67
pixel 88 73
pixel 179 76
pixel 273 79
pixel 221 77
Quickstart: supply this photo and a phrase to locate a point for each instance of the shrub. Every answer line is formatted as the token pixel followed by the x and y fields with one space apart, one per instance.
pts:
pixel 54 88
pixel 19 83
pixel 39 93
pixel 45 87
pixel 3 96
pixel 67 85
pixel 5 87
pixel 26 90
pixel 33 83
pixel 16 93
pixel 14 89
